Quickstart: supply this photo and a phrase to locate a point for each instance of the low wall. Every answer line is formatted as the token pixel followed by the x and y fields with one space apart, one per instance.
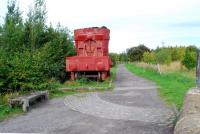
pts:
pixel 189 120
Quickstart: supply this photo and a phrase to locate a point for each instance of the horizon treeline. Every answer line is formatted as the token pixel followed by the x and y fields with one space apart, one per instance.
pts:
pixel 161 55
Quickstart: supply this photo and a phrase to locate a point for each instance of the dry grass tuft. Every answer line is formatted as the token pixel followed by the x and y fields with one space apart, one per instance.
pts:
pixel 173 67
pixel 6 97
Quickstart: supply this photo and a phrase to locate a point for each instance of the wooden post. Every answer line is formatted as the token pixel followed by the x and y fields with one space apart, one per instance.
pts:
pixel 158 68
pixel 198 70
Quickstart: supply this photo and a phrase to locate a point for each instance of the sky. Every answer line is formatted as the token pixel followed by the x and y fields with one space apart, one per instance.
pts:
pixel 131 22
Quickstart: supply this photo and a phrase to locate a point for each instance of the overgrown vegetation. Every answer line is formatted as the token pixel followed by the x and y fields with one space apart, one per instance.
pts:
pixel 32 54
pixel 87 83
pixel 58 90
pixel 32 57
pixel 84 85
pixel 173 86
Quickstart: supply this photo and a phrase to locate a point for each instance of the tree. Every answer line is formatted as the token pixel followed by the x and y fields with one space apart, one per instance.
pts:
pixel 136 53
pixel 114 57
pixel 35 28
pixel 123 57
pixel 12 29
pixel 190 56
pixel 163 56
pixel 32 53
pixel 177 53
pixel 1 39
pixel 149 57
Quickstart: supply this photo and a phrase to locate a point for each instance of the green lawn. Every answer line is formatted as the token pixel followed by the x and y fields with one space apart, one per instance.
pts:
pixel 173 86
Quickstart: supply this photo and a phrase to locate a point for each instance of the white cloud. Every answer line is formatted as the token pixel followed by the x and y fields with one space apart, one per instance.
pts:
pixel 131 21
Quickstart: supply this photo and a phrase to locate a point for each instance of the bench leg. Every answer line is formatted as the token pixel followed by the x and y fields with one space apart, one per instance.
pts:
pixel 25 105
pixel 46 96
pixel 11 105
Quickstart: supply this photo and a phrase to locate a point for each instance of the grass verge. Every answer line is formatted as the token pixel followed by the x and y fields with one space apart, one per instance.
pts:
pixel 6 112
pixel 59 90
pixel 173 86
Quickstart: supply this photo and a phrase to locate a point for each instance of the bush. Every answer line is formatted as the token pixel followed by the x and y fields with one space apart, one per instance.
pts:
pixel 163 56
pixel 136 53
pixel 149 57
pixel 23 73
pixel 190 56
pixel 32 53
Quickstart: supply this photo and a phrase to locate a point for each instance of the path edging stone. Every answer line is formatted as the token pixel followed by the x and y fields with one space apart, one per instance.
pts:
pixel 189 119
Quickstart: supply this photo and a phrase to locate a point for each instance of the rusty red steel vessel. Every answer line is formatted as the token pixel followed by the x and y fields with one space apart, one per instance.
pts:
pixel 92 59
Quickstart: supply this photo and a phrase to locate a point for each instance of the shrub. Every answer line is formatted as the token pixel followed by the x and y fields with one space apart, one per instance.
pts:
pixel 163 56
pixel 149 57
pixel 136 53
pixel 190 56
pixel 32 53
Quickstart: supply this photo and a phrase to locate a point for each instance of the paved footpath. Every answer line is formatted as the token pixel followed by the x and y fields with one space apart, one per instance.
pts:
pixel 132 108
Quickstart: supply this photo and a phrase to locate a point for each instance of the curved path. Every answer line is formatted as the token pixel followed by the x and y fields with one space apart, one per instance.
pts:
pixel 132 108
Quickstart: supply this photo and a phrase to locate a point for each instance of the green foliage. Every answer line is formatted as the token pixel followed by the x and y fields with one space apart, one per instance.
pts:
pixel 12 29
pixel 32 54
pixel 163 56
pixel 190 57
pixel 22 71
pixel 123 57
pixel 177 54
pixel 36 32
pixel 114 57
pixel 136 53
pixel 4 69
pixel 117 58
pixel 6 111
pixel 173 86
pixel 149 57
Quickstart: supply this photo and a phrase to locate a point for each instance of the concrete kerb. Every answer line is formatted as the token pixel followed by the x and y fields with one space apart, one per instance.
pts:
pixel 189 119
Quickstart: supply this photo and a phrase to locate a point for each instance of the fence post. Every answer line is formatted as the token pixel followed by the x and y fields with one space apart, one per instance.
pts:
pixel 198 70
pixel 158 68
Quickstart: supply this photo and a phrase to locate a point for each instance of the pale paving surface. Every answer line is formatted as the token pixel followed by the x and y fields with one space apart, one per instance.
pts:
pixel 132 108
pixel 92 104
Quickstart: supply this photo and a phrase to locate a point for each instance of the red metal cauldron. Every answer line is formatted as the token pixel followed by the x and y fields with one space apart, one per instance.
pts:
pixel 91 58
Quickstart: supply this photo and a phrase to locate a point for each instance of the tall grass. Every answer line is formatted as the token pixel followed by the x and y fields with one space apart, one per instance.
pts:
pixel 174 67
pixel 173 86
pixel 86 83
pixel 5 110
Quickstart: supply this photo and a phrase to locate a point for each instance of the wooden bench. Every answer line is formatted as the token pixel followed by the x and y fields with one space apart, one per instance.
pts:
pixel 25 101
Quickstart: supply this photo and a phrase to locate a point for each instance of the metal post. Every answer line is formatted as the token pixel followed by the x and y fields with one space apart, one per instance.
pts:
pixel 198 71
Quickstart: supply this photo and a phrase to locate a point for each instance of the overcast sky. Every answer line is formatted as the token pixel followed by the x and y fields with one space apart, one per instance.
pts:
pixel 132 22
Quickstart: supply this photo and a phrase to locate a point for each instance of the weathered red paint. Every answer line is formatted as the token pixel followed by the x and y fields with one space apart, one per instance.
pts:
pixel 91 58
